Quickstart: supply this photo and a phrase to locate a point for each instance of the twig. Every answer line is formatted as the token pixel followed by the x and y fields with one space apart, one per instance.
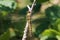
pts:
pixel 31 8
pixel 28 24
pixel 25 32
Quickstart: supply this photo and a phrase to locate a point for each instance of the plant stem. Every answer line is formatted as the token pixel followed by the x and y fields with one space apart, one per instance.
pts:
pixel 28 28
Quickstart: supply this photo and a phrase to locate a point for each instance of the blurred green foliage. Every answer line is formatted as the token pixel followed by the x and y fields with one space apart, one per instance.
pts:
pixel 13 20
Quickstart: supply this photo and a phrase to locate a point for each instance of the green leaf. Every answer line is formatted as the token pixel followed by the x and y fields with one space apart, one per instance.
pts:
pixel 12 32
pixel 58 37
pixel 57 24
pixel 8 3
pixel 49 33
pixel 44 38
pixel 4 13
pixel 7 35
